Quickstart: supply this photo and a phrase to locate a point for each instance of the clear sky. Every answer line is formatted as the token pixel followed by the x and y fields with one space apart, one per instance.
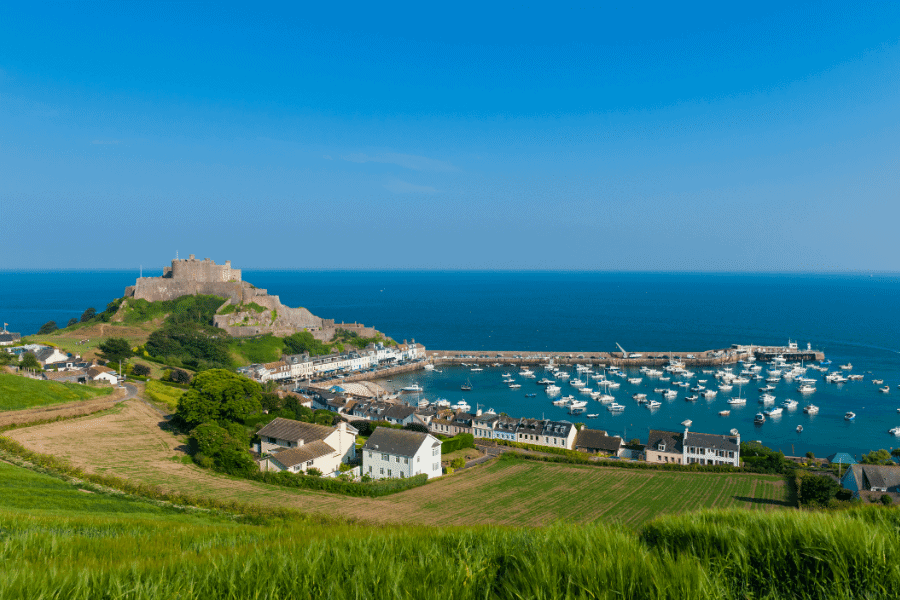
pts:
pixel 670 136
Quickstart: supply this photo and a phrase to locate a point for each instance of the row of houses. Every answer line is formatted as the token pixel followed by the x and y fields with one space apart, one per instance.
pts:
pixel 297 367
pixel 62 366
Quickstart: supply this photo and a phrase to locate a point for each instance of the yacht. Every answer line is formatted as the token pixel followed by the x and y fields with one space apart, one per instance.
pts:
pixel 526 372
pixel 849 416
pixel 799 428
pixel 476 369
pixel 593 415
pixel 586 390
pixel 507 375
pixel 576 410
pixel 766 399
pixel 442 403
pixel 885 389
pixel 737 401
pixel 615 407
pixel 669 394
pixel 560 402
pixel 877 381
pixel 413 388
pixel 664 378
pixel 724 413
pixel 789 404
pixel 697 388
pixel 635 380
pixel 424 403
pixel 429 367
pixel 467 386
pixel 545 381
pixel 461 405
pixel 855 377
pixel 614 385
pixel 725 387
pixel 654 404
pixel 894 430
pixel 553 389
pixel 774 412
pixel 806 389
pixel 606 398
pixel 639 396
pixel 767 388
pixel 692 398
pixel 578 404
pixel 563 375
pixel 513 386
pixel 577 383
pixel 811 409
pixel 846 367
pixel 759 418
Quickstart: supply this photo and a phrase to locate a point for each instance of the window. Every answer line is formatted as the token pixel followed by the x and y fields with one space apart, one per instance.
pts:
pixel 662 447
pixel 405 461
pixel 397 458
pixel 731 455
pixel 435 466
pixel 434 452
pixel 382 470
pixel 389 473
pixel 385 457
pixel 370 468
pixel 418 459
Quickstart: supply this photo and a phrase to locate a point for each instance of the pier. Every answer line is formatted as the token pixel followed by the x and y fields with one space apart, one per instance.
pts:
pixel 700 358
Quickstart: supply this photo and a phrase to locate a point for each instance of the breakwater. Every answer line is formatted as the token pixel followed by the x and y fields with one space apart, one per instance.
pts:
pixel 704 358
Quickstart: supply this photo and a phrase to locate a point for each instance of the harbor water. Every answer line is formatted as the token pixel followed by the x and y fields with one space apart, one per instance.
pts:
pixel 852 318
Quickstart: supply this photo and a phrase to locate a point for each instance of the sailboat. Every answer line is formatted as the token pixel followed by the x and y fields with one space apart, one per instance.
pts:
pixel 467 386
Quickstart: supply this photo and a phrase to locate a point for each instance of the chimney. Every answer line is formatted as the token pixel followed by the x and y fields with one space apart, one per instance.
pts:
pixel 478 413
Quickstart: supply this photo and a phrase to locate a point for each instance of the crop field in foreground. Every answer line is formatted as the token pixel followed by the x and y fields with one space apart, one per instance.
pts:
pixel 130 443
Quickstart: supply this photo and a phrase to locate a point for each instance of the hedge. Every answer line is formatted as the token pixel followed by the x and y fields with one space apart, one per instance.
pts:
pixel 373 489
pixel 458 442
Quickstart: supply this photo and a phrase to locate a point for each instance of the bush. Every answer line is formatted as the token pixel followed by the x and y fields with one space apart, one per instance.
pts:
pixel 458 463
pixel 140 370
pixel 48 327
pixel 180 376
pixel 886 500
pixel 815 490
pixel 458 442
pixel 416 427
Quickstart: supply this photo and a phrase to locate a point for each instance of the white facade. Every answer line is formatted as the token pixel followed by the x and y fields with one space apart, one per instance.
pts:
pixel 384 464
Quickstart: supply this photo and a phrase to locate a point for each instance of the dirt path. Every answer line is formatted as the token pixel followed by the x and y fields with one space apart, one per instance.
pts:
pixel 69 409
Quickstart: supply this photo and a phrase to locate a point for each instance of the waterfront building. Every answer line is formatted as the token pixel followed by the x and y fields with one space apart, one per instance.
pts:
pixel 397 453
pixel 483 425
pixel 505 428
pixel 595 441
pixel 691 447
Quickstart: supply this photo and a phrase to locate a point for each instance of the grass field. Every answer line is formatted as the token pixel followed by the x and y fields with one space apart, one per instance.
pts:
pixel 17 393
pixel 70 338
pixel 131 444
pixel 163 394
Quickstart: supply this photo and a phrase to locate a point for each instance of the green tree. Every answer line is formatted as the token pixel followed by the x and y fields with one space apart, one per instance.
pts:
pixel 302 342
pixel 877 457
pixel 71 322
pixel 816 490
pixel 48 327
pixel 810 455
pixel 115 349
pixel 88 314
pixel 416 427
pixel 895 452
pixel 140 370
pixel 458 463
pixel 180 376
pixel 29 361
pixel 886 500
pixel 217 395
pixel 226 446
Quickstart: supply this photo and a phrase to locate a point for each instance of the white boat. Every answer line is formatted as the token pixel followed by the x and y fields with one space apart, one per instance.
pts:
pixel 811 409
pixel 654 404
pixel 615 407
pixel 606 398
pixel 885 389
pixel 461 405
pixel 563 375
pixel 614 385
pixel 586 390
pixel 578 404
pixel 515 386
pixel 799 428
pixel 736 401
pixel 569 398
pixel 692 398
pixel 759 418
pixel 507 375
pixel 576 383
pixel 561 402
pixel 476 369
pixel 553 389
pixel 766 399
pixel 442 403
pixel 525 372
pixel 576 410
pixel 894 430
pixel 545 381
pixel 806 389
pixel 849 416
pixel 724 413
pixel 669 394
pixel 424 403
pixel 725 387
pixel 663 378
pixel 413 388
pixel 774 412
pixel 846 367
pixel 639 396
pixel 789 404
pixel 767 388
pixel 687 423
pixel 635 380
pixel 593 415
pixel 429 367
pixel 710 394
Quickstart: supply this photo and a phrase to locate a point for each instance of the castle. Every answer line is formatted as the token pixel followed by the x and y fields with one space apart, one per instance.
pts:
pixel 248 310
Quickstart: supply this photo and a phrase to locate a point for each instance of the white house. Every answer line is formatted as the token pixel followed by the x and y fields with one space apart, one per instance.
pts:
pixel 399 453
pixel 295 446
pixel 102 374
pixel 49 355
pixel 689 447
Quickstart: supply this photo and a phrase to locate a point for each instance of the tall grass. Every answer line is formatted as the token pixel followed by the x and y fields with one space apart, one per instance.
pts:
pixel 18 392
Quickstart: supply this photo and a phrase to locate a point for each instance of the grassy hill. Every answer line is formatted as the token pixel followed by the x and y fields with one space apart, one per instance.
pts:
pixel 17 392
pixel 59 541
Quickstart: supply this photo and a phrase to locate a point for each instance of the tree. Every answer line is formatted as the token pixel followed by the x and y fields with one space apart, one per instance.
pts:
pixel 226 446
pixel 886 500
pixel 217 395
pixel 895 452
pixel 810 455
pixel 877 457
pixel 140 370
pixel 48 327
pixel 180 376
pixel 71 322
pixel 816 490
pixel 29 361
pixel 115 349
pixel 88 314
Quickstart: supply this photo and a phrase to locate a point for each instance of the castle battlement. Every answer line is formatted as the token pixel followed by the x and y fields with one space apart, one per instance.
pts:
pixel 201 271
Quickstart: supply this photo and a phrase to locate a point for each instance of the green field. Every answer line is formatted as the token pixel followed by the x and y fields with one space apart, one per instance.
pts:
pixel 57 541
pixel 164 394
pixel 17 393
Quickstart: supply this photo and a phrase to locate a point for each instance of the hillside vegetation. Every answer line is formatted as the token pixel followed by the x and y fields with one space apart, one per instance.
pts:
pixel 17 393
pixel 59 542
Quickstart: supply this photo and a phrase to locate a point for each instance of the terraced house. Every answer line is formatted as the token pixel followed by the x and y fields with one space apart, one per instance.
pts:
pixel 690 447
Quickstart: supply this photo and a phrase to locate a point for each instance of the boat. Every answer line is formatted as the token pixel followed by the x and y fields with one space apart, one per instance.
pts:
pixel 593 415
pixel 737 401
pixel 846 367
pixel 513 386
pixel 604 398
pixel 799 428
pixel 461 405
pixel 687 423
pixel 413 388
pixel 552 389
pixel 615 407
pixel 635 380
pixel 545 381
pixel 725 387
pixel 586 390
pixel 774 412
pixel 669 394
pixel 525 372
pixel 856 377
pixel 767 388
pixel 530 395
pixel 560 402
pixel 476 369
pixel 885 389
pixel 724 413
pixel 894 431
pixel 563 375
pixel 577 383
pixel 654 404
pixel 806 389
pixel 442 403
pixel 424 403
pixel 810 409
pixel 849 416
pixel 789 404
pixel 710 394
pixel 614 385
pixel 467 386
pixel 759 418
pixel 576 410
pixel 734 431
pixel 766 399
pixel 507 375
pixel 429 367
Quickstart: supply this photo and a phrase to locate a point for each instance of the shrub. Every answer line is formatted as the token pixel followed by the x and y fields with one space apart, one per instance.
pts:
pixel 886 499
pixel 416 427
pixel 48 327
pixel 458 463
pixel 458 442
pixel 140 370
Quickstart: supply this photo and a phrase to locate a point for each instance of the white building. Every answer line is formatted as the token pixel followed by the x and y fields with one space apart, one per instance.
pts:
pixel 398 453
pixel 102 374
pixel 295 446
pixel 689 448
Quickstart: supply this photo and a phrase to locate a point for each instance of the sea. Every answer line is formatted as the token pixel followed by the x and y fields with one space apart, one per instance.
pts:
pixel 853 318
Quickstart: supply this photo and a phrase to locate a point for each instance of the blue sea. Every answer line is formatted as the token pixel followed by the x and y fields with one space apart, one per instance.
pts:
pixel 852 318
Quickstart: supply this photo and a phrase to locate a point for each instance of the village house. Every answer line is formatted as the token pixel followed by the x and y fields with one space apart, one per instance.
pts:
pixel 505 428
pixel 558 434
pixel 595 441
pixel 871 478
pixel 295 446
pixel 690 448
pixel 100 373
pixel 442 422
pixel 49 355
pixel 483 425
pixel 8 338
pixel 397 453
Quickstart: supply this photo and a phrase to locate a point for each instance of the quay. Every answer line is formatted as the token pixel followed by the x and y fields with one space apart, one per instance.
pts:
pixel 703 358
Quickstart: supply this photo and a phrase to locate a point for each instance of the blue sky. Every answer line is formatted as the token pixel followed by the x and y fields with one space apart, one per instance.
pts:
pixel 458 136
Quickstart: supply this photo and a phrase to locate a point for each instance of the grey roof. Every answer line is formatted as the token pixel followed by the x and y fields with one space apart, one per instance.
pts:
pixel 399 412
pixel 288 429
pixel 877 476
pixel 397 441
pixel 306 452
pixel 9 337
pixel 593 439
pixel 485 419
pixel 710 440
pixel 672 440
pixel 557 428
